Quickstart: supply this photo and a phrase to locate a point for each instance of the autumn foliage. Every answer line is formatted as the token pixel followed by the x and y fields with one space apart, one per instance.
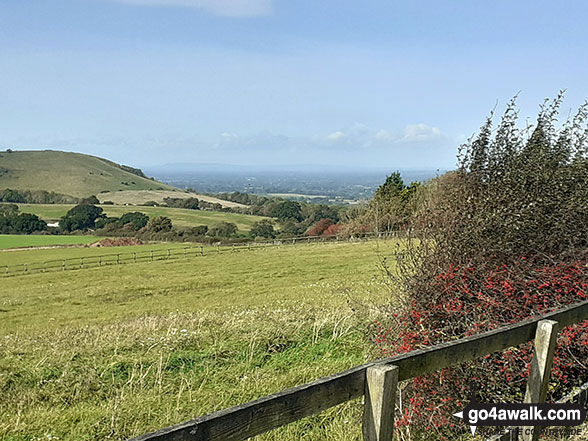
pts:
pixel 324 227
pixel 501 239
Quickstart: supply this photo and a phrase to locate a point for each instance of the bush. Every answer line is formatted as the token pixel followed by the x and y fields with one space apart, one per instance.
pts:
pixel 160 224
pixel 264 228
pixel 137 219
pixel 320 227
pixel 223 229
pixel 501 239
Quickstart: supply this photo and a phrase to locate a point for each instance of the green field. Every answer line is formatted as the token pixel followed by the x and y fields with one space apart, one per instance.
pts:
pixel 21 240
pixel 180 217
pixel 113 352
pixel 68 173
pixel 19 257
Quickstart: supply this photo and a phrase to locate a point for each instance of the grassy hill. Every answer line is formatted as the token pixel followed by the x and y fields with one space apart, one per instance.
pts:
pixel 68 173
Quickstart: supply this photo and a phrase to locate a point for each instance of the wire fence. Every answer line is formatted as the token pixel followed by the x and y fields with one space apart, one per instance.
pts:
pixel 90 261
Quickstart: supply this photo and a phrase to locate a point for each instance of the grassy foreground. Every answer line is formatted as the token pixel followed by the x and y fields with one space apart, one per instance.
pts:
pixel 180 217
pixel 112 352
pixel 21 240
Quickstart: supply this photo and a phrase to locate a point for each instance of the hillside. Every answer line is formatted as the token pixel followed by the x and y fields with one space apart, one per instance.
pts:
pixel 68 173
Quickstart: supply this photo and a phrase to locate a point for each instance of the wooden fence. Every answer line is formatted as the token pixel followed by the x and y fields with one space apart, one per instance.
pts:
pixel 376 382
pixel 85 262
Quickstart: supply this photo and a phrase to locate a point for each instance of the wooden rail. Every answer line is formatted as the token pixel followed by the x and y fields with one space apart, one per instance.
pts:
pixel 90 261
pixel 377 380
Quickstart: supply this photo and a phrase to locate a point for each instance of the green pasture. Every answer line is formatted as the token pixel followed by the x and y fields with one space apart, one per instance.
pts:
pixel 180 217
pixel 35 256
pixel 22 240
pixel 116 351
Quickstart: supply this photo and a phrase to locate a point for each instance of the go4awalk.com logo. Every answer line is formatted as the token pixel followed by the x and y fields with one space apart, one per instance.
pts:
pixel 521 414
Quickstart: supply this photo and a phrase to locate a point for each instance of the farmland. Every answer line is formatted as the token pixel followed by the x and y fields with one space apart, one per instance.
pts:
pixel 180 217
pixel 19 241
pixel 120 350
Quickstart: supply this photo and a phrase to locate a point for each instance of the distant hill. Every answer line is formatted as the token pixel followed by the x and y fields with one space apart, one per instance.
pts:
pixel 72 174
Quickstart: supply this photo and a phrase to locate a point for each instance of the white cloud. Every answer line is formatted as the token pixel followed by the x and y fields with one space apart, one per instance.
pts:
pixel 336 135
pixel 227 8
pixel 420 132
pixel 383 135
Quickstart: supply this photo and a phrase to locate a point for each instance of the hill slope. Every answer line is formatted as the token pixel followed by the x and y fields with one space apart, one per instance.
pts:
pixel 68 173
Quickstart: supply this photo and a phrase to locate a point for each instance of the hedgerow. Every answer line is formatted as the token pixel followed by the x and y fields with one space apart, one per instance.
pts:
pixel 501 239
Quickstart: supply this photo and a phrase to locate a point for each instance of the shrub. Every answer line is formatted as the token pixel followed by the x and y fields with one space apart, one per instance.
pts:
pixel 159 224
pixel 499 240
pixel 137 219
pixel 263 228
pixel 223 229
pixel 320 227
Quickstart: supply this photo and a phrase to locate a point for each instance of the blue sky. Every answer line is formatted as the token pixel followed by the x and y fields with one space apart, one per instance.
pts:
pixel 370 83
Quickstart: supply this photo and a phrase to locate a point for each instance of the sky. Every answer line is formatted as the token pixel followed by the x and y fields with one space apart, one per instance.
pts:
pixel 384 83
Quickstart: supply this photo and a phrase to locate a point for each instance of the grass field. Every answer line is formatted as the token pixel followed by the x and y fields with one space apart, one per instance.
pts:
pixel 180 217
pixel 18 257
pixel 21 240
pixel 112 352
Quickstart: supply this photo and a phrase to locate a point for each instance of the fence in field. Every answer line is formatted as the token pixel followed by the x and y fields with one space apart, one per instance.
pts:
pixel 377 383
pixel 170 253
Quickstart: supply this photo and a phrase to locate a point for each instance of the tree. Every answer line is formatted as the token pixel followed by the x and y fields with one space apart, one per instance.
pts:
pixel 288 210
pixel 90 200
pixel 81 217
pixel 391 187
pixel 28 223
pixel 263 228
pixel 13 222
pixel 8 209
pixel 136 218
pixel 290 229
pixel 160 224
pixel 223 229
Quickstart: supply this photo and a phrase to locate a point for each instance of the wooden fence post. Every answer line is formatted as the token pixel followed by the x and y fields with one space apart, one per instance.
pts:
pixel 545 342
pixel 380 398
